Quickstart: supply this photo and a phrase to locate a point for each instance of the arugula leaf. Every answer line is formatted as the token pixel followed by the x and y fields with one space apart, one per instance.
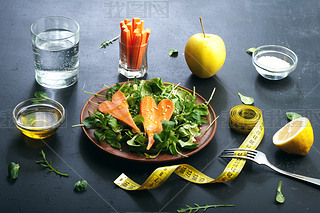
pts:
pixel 245 99
pixel 13 170
pixel 81 185
pixel 157 85
pixel 145 89
pixel 293 115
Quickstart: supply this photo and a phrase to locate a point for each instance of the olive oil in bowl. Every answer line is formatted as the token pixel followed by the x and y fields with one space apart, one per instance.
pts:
pixel 38 118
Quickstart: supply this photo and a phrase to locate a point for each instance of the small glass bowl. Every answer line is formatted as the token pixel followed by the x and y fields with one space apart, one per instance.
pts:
pixel 268 61
pixel 38 118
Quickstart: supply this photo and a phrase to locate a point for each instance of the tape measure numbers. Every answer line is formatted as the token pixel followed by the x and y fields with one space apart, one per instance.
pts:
pixel 243 119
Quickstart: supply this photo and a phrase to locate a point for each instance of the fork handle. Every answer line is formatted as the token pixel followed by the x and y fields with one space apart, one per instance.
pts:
pixel 300 177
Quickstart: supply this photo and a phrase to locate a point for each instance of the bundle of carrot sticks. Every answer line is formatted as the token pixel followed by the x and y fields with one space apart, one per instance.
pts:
pixel 134 40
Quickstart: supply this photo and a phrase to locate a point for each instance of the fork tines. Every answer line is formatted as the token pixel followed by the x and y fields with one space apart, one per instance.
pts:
pixel 239 153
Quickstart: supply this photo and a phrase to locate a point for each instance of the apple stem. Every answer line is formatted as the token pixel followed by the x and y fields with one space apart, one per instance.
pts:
pixel 204 35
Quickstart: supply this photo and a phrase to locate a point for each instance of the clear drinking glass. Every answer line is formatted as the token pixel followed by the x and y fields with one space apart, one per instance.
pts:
pixel 55 43
pixel 133 60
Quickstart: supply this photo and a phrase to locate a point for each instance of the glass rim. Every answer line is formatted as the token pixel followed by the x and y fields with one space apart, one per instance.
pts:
pixel 133 45
pixel 55 104
pixel 57 17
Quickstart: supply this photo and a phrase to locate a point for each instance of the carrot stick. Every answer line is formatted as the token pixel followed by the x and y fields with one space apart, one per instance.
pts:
pixel 139 26
pixel 129 25
pixel 122 43
pixel 142 25
pixel 148 31
pixel 136 47
pixel 142 49
pixel 126 21
pixel 121 23
pixel 134 21
pixel 127 47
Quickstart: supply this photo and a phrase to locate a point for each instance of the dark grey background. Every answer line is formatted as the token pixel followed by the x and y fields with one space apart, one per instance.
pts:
pixel 241 24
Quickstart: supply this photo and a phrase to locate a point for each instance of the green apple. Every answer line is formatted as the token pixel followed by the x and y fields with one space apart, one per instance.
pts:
pixel 205 55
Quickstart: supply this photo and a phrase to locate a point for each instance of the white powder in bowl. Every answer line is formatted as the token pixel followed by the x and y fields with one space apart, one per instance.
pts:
pixel 274 62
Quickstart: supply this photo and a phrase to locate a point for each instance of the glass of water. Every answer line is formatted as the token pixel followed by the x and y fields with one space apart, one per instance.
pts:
pixel 55 43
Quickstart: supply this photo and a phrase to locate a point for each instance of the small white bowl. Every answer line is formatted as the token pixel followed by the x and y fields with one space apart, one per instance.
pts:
pixel 274 62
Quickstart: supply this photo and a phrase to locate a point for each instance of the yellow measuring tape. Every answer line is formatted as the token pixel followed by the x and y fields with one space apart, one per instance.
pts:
pixel 243 119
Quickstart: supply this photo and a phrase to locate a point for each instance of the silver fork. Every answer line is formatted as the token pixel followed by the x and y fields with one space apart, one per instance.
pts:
pixel 260 158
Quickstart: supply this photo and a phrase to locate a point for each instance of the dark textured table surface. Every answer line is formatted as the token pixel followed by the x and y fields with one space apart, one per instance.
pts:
pixel 241 24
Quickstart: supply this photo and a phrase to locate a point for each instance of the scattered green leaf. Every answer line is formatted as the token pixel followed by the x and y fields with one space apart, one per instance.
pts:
pixel 173 53
pixel 107 43
pixel 48 165
pixel 81 185
pixel 13 170
pixel 279 197
pixel 198 207
pixel 293 115
pixel 250 50
pixel 245 99
pixel 40 94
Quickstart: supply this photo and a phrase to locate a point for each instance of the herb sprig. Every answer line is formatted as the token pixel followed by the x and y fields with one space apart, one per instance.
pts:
pixel 48 165
pixel 107 43
pixel 197 207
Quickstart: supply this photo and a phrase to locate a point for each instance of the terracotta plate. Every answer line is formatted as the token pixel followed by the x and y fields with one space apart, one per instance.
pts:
pixel 202 140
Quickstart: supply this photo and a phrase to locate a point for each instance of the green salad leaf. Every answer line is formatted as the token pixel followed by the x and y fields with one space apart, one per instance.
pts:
pixel 178 133
pixel 40 94
pixel 13 170
pixel 293 115
pixel 245 99
pixel 250 50
pixel 81 185
pixel 173 53
pixel 279 197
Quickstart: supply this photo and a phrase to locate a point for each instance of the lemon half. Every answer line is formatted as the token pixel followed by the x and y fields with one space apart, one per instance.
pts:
pixel 296 137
